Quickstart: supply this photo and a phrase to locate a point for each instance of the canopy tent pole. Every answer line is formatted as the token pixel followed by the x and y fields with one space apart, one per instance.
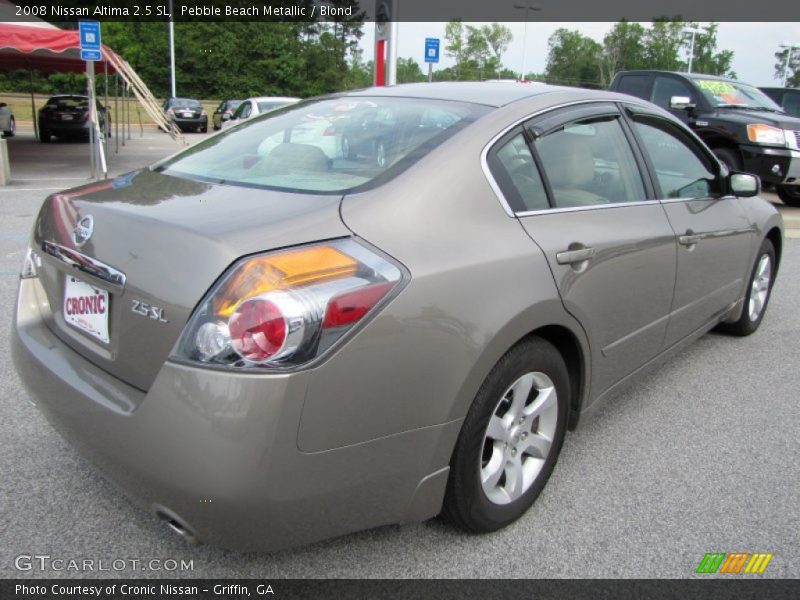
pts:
pixel 116 113
pixel 33 108
pixel 92 112
pixel 107 125
pixel 122 112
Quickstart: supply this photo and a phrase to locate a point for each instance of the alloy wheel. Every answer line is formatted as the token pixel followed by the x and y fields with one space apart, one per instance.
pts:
pixel 759 288
pixel 519 438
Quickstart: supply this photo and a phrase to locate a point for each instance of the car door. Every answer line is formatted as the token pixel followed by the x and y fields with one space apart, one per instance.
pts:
pixel 714 235
pixel 581 193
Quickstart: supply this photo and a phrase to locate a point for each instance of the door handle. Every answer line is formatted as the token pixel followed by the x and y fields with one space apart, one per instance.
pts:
pixel 569 257
pixel 689 240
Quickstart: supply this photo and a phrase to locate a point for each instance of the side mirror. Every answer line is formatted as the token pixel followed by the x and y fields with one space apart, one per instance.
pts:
pixel 681 103
pixel 744 185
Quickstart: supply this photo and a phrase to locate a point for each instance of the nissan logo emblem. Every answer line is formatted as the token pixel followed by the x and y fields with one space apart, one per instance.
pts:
pixel 83 231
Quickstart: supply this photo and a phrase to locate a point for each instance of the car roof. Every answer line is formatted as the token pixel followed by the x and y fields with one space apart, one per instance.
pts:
pixel 489 93
pixel 275 98
pixel 679 74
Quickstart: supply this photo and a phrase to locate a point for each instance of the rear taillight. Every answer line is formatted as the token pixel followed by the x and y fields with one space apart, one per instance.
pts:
pixel 284 309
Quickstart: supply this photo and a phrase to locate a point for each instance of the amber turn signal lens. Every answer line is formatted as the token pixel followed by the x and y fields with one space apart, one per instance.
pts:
pixel 293 268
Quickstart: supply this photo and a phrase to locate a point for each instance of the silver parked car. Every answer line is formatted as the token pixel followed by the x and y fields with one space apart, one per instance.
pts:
pixel 266 346
pixel 8 125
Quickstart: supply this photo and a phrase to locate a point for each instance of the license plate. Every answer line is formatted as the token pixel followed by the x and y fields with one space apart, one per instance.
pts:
pixel 188 115
pixel 67 117
pixel 86 308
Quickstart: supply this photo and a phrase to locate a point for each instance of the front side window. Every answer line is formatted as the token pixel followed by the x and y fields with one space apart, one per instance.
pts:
pixel 300 147
pixel 590 163
pixel 667 87
pixel 791 103
pixel 681 170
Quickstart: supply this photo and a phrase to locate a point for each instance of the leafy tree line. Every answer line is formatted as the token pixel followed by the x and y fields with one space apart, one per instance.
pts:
pixel 576 59
pixel 792 70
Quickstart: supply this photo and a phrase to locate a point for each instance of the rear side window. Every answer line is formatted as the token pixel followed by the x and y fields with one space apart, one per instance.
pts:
pixel 515 171
pixel 635 85
pixel 330 145
pixel 590 163
pixel 667 87
pixel 681 169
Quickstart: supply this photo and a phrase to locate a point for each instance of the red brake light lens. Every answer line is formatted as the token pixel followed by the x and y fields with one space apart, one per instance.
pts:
pixel 349 307
pixel 257 329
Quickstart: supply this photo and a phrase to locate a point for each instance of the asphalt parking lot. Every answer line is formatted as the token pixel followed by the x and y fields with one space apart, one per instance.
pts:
pixel 701 456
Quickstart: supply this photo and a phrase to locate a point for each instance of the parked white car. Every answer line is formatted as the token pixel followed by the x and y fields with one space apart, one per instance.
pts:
pixel 256 106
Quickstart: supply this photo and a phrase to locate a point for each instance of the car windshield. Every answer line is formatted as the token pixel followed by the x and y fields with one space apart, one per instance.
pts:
pixel 329 145
pixel 267 105
pixel 733 94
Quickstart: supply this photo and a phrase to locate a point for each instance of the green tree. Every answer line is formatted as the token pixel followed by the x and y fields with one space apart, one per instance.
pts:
pixel 623 49
pixel 573 59
pixel 662 45
pixel 477 52
pixel 409 71
pixel 706 57
pixel 792 70
pixel 455 44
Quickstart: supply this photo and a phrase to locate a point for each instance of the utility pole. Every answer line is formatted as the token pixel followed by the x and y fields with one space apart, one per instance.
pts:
pixel 694 31
pixel 526 7
pixel 787 65
pixel 172 49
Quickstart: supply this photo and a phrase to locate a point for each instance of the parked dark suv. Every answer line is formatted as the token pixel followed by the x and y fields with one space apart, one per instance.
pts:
pixel 787 98
pixel 744 128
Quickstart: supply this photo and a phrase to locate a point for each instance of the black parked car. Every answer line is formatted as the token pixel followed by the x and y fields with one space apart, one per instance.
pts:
pixel 223 112
pixel 187 114
pixel 787 98
pixel 67 116
pixel 744 128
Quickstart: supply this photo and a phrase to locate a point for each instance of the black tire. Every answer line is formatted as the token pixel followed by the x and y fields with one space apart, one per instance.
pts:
pixel 789 194
pixel 466 503
pixel 204 129
pixel 729 157
pixel 44 136
pixel 12 128
pixel 746 323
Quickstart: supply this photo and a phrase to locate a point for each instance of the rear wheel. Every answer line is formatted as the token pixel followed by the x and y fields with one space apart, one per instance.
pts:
pixel 204 129
pixel 789 194
pixel 510 439
pixel 44 136
pixel 758 292
pixel 12 128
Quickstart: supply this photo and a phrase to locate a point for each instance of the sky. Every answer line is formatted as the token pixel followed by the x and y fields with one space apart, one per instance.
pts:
pixel 753 44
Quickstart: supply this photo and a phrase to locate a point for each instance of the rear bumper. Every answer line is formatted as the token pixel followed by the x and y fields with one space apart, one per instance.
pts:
pixel 191 122
pixel 65 127
pixel 218 452
pixel 773 165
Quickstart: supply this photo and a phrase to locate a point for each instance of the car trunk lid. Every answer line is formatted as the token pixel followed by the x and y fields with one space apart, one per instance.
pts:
pixel 157 244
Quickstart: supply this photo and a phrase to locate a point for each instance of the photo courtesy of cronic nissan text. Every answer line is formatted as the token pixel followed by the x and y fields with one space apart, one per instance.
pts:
pixel 382 299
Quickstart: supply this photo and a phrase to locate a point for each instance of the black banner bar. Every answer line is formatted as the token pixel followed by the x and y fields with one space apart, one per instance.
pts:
pixel 505 589
pixel 401 10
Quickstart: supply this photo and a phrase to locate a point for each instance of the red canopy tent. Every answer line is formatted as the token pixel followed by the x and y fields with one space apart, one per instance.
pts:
pixel 44 47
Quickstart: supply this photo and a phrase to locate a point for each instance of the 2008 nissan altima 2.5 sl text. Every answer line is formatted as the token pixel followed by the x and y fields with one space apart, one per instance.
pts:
pixel 379 306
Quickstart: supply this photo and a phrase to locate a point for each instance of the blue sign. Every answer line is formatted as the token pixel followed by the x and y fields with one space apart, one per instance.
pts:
pixel 431 50
pixel 90 40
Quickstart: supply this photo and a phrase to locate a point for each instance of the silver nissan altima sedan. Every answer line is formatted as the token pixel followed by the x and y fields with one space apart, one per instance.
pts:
pixel 270 343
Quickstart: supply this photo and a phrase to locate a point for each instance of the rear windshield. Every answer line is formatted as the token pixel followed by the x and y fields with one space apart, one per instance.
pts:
pixel 68 102
pixel 738 95
pixel 184 102
pixel 331 145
